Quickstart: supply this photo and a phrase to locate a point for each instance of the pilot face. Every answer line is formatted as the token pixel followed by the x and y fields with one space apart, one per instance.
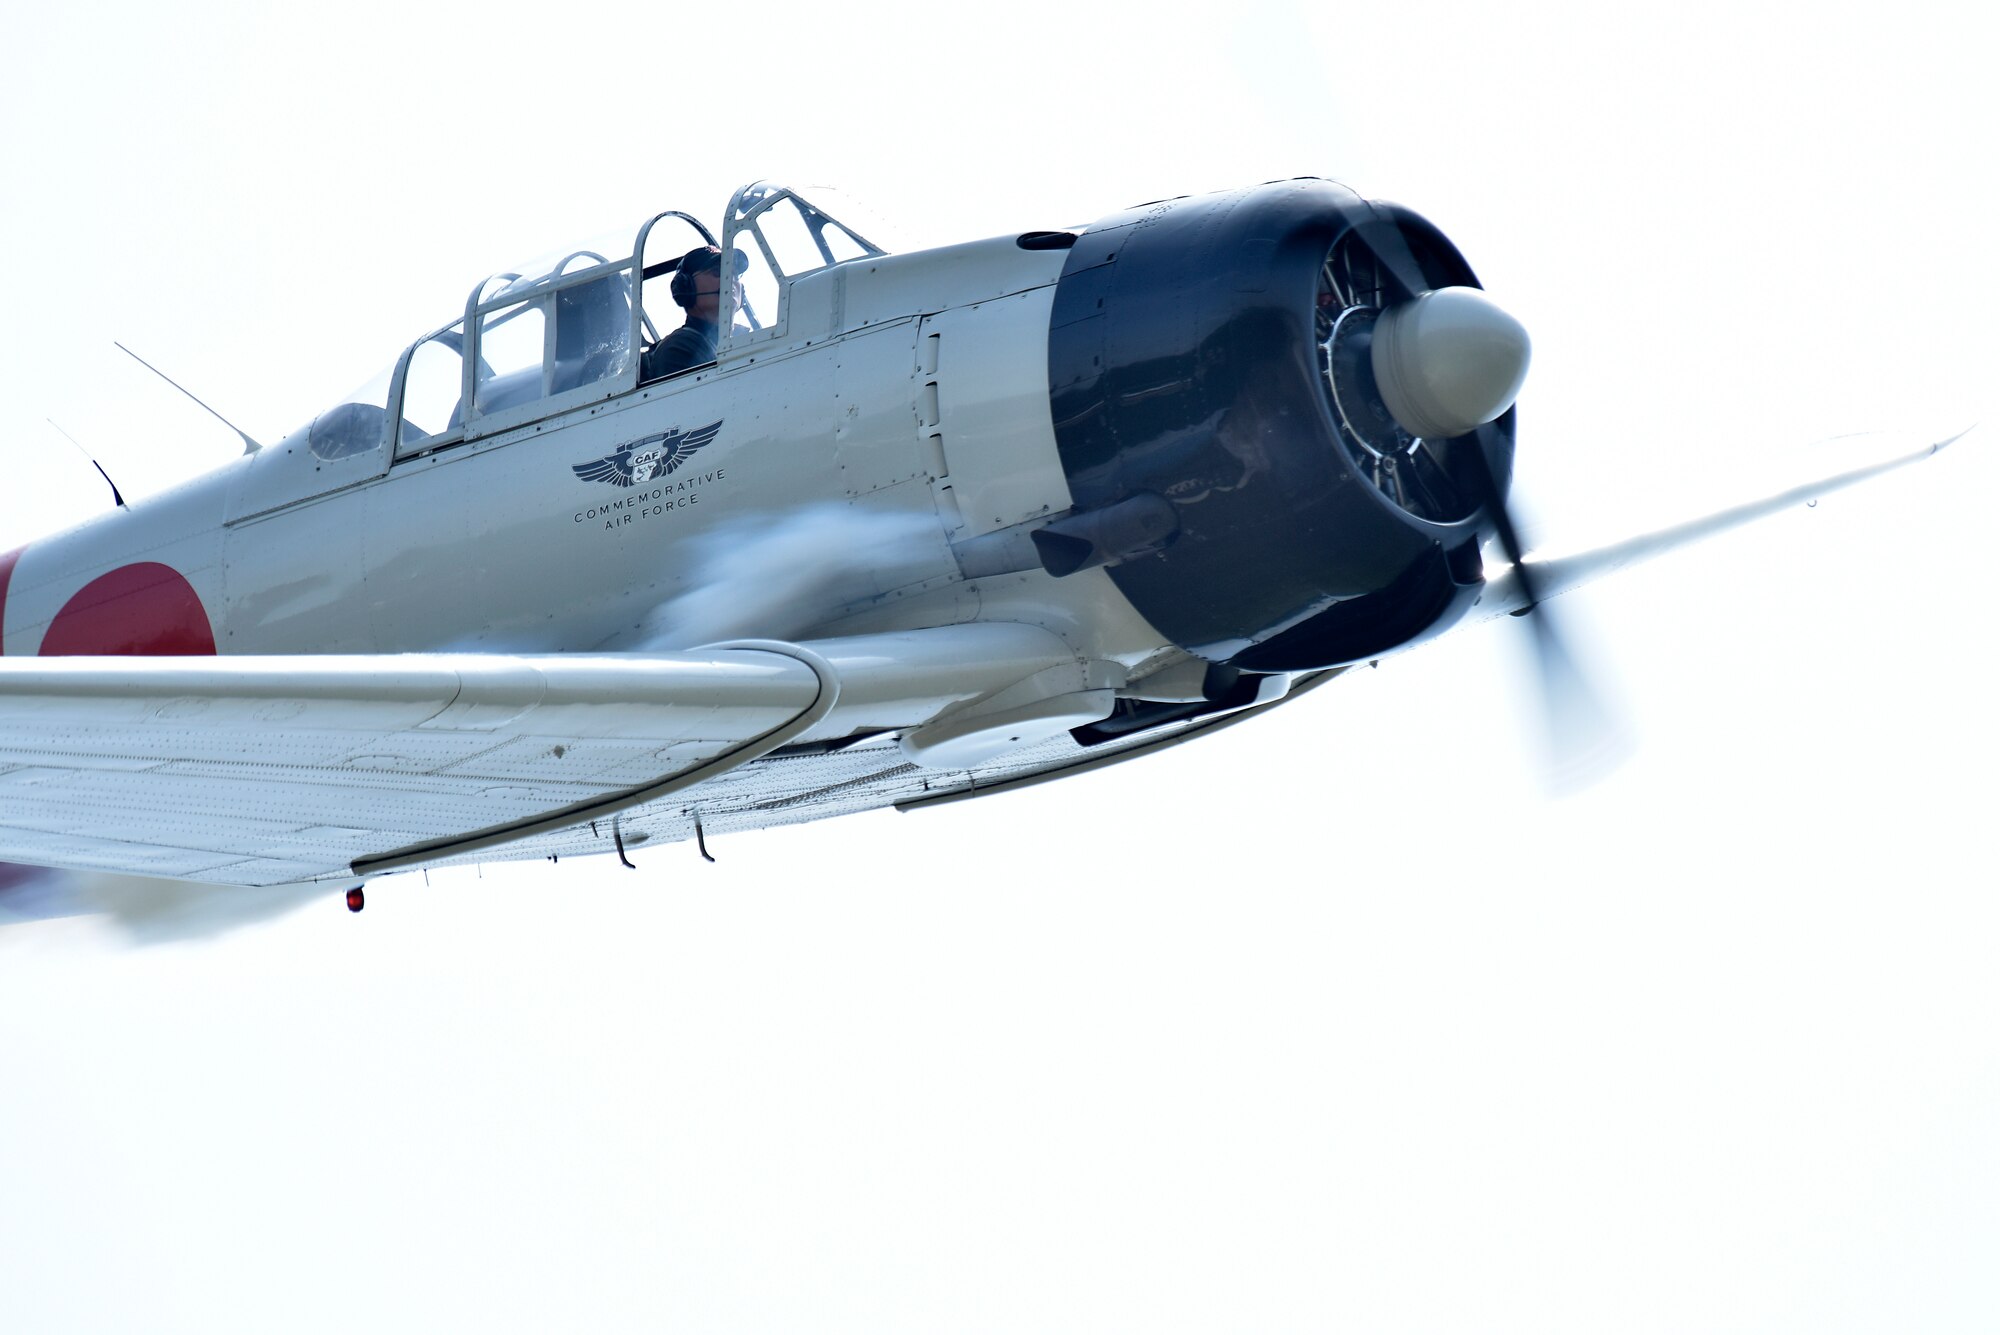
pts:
pixel 708 296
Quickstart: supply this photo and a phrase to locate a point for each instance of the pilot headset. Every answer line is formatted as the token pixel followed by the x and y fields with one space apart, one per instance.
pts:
pixel 682 288
pixel 700 260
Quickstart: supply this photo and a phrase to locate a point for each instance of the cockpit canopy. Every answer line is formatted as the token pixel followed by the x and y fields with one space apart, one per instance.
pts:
pixel 568 329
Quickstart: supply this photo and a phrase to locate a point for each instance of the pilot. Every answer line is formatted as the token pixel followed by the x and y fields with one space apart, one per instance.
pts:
pixel 697 288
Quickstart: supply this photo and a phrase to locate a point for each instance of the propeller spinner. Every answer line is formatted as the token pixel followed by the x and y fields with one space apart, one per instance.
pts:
pixel 1448 362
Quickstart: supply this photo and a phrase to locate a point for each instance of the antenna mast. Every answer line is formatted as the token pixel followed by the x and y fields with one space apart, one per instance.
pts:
pixel 249 446
pixel 93 463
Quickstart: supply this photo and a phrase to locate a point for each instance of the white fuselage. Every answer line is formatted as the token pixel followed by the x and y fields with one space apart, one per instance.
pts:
pixel 902 407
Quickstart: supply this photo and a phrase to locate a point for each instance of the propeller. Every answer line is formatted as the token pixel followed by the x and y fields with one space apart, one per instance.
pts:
pixel 1581 740
pixel 1448 363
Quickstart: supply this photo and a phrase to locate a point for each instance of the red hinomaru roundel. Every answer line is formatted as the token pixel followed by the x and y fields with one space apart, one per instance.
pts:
pixel 146 609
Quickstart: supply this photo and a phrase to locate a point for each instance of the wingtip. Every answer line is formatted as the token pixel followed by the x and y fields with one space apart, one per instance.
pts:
pixel 1956 436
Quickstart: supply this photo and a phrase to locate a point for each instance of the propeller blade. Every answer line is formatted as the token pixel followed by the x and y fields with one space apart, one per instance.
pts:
pixel 1582 739
pixel 1397 261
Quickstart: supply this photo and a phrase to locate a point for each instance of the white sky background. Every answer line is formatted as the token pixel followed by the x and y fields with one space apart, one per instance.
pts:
pixel 1331 1021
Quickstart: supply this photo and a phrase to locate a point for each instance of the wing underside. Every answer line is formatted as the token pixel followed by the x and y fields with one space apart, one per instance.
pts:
pixel 265 771
pixel 277 770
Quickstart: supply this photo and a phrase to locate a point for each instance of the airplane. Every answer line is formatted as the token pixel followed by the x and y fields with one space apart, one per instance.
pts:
pixel 928 526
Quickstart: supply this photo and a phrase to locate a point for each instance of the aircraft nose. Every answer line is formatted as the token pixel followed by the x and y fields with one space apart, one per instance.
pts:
pixel 1448 362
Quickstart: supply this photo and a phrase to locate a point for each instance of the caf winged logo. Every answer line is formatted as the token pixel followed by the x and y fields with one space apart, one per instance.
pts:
pixel 646 458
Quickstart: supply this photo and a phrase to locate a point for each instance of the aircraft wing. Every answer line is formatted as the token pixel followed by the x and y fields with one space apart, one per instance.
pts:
pixel 267 771
pixel 272 771
pixel 1840 463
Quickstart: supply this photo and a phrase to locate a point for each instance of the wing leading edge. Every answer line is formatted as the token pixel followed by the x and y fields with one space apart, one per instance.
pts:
pixel 1851 459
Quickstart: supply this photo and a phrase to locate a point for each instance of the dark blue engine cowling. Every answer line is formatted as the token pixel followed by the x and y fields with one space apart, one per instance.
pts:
pixel 1188 361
